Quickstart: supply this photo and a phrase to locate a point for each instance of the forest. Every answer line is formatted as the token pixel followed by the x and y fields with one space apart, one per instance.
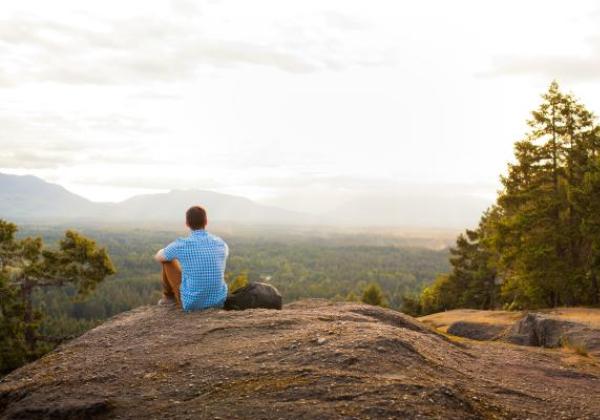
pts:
pixel 378 270
pixel 539 244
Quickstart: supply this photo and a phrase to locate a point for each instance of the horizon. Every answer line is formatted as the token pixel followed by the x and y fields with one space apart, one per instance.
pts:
pixel 309 105
pixel 378 215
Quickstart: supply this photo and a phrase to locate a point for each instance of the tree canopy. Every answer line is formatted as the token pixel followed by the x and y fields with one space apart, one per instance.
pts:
pixel 26 265
pixel 539 245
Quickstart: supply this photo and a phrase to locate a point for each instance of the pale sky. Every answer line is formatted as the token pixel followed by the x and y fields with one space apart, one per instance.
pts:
pixel 304 103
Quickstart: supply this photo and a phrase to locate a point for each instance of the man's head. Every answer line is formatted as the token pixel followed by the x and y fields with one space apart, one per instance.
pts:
pixel 195 218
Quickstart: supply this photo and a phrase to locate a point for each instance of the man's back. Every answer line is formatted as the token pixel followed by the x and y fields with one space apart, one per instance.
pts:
pixel 202 257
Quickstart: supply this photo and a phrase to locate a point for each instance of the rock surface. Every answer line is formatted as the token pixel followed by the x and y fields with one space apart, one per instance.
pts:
pixel 536 329
pixel 313 359
pixel 475 330
pixel 533 329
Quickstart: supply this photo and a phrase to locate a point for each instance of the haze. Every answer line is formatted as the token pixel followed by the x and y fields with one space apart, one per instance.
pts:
pixel 304 105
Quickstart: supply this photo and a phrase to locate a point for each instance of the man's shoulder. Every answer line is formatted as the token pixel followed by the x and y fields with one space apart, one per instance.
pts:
pixel 182 240
pixel 216 239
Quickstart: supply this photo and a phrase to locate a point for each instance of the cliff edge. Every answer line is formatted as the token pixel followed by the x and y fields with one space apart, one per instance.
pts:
pixel 313 359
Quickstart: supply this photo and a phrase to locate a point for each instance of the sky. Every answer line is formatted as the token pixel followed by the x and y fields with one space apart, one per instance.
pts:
pixel 297 104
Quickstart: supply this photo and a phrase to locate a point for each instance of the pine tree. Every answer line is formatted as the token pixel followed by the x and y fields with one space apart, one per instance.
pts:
pixel 474 273
pixel 13 350
pixel 539 238
pixel 25 265
pixel 542 238
pixel 373 295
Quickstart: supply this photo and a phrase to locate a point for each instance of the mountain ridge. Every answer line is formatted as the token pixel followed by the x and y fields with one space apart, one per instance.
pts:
pixel 26 198
pixel 30 199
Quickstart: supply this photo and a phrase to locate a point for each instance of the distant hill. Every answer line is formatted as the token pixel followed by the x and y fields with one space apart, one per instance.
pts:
pixel 221 207
pixel 31 199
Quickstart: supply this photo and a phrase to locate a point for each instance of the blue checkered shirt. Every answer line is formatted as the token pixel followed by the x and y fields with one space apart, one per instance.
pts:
pixel 202 257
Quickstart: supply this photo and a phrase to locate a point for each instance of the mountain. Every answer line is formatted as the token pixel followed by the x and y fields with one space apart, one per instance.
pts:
pixel 312 360
pixel 220 207
pixel 30 199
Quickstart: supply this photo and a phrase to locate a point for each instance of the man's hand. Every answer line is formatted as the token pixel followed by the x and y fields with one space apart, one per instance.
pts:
pixel 160 256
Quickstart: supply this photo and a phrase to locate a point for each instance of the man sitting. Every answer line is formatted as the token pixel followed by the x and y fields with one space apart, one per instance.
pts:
pixel 193 267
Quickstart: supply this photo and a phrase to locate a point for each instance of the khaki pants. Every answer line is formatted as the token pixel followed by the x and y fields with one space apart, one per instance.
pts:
pixel 171 280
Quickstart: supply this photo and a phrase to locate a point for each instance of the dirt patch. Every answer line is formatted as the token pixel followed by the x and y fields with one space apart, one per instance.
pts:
pixel 313 359
pixel 442 320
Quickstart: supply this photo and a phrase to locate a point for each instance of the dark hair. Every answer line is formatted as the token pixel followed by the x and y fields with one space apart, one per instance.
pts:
pixel 195 217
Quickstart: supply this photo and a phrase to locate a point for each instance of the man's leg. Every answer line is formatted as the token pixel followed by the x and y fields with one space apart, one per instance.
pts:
pixel 171 280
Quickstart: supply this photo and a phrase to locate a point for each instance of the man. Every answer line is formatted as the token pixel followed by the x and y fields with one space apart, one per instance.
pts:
pixel 193 267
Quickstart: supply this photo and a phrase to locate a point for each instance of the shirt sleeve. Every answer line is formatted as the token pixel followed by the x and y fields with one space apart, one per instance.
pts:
pixel 226 249
pixel 171 251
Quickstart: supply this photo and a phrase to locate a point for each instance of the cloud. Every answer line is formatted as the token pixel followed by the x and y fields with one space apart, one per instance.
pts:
pixel 146 49
pixel 44 141
pixel 30 159
pixel 564 67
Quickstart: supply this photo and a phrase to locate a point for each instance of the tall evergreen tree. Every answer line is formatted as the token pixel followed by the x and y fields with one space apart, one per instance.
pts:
pixel 539 236
pixel 542 238
pixel 25 265
pixel 472 283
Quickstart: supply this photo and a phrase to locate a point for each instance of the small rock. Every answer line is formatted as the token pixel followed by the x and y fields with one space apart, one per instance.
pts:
pixel 321 340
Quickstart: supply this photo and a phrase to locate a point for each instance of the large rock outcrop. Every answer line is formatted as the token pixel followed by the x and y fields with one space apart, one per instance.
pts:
pixel 536 329
pixel 533 329
pixel 313 359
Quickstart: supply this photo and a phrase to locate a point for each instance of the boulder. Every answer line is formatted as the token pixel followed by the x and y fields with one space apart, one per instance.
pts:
pixel 254 295
pixel 541 330
pixel 475 330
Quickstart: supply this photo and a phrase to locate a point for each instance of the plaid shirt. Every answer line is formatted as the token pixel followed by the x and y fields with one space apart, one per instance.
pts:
pixel 202 257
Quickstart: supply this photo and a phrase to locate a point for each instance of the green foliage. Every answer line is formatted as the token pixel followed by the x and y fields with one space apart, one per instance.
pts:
pixel 241 280
pixel 26 266
pixel 351 297
pixel 13 350
pixel 541 241
pixel 373 295
pixel 411 305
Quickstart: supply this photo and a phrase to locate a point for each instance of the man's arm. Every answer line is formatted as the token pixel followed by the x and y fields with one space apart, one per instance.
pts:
pixel 168 253
pixel 160 256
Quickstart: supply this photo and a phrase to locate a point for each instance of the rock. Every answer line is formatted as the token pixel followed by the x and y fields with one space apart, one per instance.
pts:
pixel 254 295
pixel 66 408
pixel 475 330
pixel 541 330
pixel 240 366
pixel 536 330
